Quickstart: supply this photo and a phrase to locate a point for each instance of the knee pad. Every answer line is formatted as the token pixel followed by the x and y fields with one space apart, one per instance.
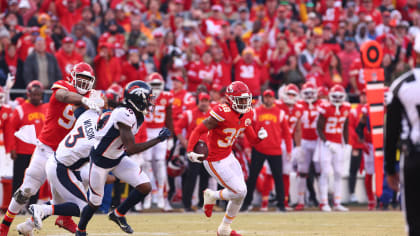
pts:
pixel 241 194
pixel 22 197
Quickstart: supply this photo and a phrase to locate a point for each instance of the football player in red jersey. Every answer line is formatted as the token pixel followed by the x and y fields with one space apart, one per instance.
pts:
pixel 6 122
pixel 332 127
pixel 155 121
pixel 225 123
pixel 293 110
pixel 58 123
pixel 308 120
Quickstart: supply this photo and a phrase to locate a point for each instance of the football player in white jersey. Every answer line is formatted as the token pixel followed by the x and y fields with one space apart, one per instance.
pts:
pixel 114 142
pixel 155 157
pixel 67 173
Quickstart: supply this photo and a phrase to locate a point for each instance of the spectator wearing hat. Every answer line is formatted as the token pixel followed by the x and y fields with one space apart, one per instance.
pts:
pixel 269 117
pixel 31 112
pixel 244 19
pixel 369 9
pixel 213 25
pixel 41 65
pixel 107 67
pixel 190 119
pixel 133 68
pixel 80 33
pixel 248 71
pixel 67 57
pixel 27 9
pixel 347 56
pixel 69 12
pixel 80 48
pixel 183 100
pixel 109 23
pixel 13 8
pixel 10 63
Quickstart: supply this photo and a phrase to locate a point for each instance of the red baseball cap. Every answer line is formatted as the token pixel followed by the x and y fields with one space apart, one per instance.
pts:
pixel 268 92
pixel 80 44
pixel 178 78
pixel 202 96
pixel 67 40
pixel 216 87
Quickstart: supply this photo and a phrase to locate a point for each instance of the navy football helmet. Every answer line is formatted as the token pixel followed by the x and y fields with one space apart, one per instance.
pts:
pixel 138 96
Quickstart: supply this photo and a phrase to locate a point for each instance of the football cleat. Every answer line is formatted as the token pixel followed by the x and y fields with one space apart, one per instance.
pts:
pixel 225 230
pixel 325 207
pixel 67 223
pixel 371 205
pixel 121 221
pixel 209 202
pixel 26 228
pixel 160 202
pixel 37 215
pixel 147 202
pixel 299 207
pixel 340 207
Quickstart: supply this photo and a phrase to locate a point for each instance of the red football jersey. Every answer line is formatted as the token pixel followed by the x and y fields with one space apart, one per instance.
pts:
pixel 334 120
pixel 156 119
pixel 6 131
pixel 293 114
pixel 356 70
pixel 309 119
pixel 60 118
pixel 231 125
pixel 189 120
pixel 355 115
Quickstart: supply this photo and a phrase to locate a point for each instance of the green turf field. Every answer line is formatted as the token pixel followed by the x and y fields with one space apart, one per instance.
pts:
pixel 355 223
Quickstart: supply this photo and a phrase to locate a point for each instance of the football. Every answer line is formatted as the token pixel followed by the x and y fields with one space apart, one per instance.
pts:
pixel 201 148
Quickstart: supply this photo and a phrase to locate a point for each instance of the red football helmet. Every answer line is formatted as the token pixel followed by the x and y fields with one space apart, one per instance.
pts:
pixel 309 92
pixel 155 80
pixel 337 95
pixel 290 94
pixel 239 97
pixel 34 83
pixel 82 77
pixel 176 166
pixel 114 92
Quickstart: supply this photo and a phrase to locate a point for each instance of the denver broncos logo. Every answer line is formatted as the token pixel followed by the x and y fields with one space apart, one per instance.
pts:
pixel 138 91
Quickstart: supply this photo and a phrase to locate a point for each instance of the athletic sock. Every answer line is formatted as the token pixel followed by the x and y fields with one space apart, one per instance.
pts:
pixel 85 217
pixel 8 218
pixel 133 198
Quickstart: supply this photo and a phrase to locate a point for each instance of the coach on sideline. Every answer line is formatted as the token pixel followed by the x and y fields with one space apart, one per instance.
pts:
pixel 274 120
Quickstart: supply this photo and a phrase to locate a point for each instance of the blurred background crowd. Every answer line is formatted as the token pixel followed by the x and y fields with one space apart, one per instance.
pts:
pixel 205 44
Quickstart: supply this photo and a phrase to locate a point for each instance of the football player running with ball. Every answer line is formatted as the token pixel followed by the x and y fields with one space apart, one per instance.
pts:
pixel 225 123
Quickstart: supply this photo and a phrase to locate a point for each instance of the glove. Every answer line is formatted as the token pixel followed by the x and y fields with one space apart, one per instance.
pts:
pixel 194 157
pixel 94 103
pixel 164 134
pixel 262 133
pixel 330 146
pixel 11 79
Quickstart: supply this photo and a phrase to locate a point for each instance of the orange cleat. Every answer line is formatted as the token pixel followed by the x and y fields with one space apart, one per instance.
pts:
pixel 232 233
pixel 66 223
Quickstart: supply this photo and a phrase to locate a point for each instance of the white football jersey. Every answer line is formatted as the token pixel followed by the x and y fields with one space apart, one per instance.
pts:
pixel 76 146
pixel 108 142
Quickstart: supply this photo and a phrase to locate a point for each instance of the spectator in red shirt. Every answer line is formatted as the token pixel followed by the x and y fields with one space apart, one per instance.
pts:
pixel 201 73
pixel 69 13
pixel 183 100
pixel 248 71
pixel 333 75
pixel 107 67
pixel 347 56
pixel 31 112
pixel 213 24
pixel 223 67
pixel 67 57
pixel 132 69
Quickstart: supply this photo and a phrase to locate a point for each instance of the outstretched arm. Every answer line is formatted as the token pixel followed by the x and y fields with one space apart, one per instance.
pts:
pixel 131 147
pixel 66 96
